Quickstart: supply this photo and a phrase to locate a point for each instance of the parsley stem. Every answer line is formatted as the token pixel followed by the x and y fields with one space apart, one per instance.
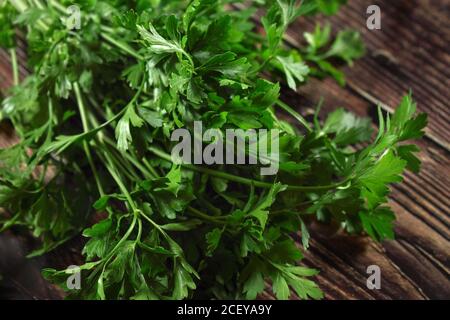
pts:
pixel 295 114
pixel 126 235
pixel 154 224
pixel 125 47
pixel 15 67
pixel 129 158
pixel 57 6
pixel 131 202
pixel 150 167
pixel 246 181
pixel 202 215
pixel 262 65
pixel 19 5
pixel 22 6
pixel 116 247
pixel 86 148
pixel 155 175
pixel 189 58
pixel 206 203
pixel 138 238
pixel 112 170
pixel 124 167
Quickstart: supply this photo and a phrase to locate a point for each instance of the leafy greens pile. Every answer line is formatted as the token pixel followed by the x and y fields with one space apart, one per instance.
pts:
pixel 95 117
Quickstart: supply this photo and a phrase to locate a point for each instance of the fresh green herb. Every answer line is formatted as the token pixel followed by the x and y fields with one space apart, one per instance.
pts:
pixel 95 116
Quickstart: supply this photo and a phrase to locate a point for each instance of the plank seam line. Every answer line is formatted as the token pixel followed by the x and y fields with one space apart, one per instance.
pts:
pixel 402 205
pixel 401 272
pixel 406 240
pixel 417 215
pixel 352 272
pixel 407 246
pixel 433 260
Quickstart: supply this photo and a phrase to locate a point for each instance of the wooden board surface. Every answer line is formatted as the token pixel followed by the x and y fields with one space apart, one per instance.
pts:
pixel 409 52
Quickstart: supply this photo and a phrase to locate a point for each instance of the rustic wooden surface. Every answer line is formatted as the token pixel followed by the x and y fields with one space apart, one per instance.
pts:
pixel 409 52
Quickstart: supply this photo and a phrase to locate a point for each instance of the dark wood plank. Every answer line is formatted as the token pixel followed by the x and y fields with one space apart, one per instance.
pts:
pixel 409 52
pixel 21 277
pixel 400 56
pixel 418 260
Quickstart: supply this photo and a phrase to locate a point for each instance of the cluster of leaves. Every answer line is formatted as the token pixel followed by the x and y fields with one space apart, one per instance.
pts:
pixel 95 117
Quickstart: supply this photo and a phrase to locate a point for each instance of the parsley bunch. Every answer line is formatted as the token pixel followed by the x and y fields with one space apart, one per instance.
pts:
pixel 95 115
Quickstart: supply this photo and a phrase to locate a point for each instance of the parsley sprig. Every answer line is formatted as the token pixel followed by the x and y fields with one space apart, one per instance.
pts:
pixel 95 115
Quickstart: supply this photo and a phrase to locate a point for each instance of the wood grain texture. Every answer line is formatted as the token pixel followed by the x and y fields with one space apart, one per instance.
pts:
pixel 416 264
pixel 409 52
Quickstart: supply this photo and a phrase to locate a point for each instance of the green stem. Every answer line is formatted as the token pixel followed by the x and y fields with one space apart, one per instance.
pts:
pixel 189 58
pixel 242 180
pixel 106 34
pixel 150 167
pixel 138 238
pixel 22 6
pixel 57 6
pixel 204 216
pixel 295 114
pixel 123 46
pixel 154 224
pixel 126 235
pixel 117 246
pixel 86 148
pixel 130 159
pixel 203 202
pixel 19 5
pixel 123 166
pixel 38 4
pixel 262 65
pixel 112 170
pixel 15 67
pixel 155 175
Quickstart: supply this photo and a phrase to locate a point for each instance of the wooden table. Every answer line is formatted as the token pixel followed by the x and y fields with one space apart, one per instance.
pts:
pixel 409 52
